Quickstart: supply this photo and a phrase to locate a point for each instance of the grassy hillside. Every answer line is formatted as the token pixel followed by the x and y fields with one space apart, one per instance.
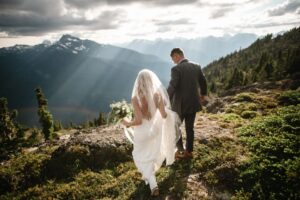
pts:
pixel 248 151
pixel 268 58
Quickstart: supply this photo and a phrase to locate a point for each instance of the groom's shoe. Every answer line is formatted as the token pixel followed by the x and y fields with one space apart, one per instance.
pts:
pixel 188 155
pixel 155 192
pixel 179 155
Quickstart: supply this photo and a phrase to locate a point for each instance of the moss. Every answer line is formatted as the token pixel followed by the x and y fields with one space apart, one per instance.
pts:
pixel 291 97
pixel 231 117
pixel 218 162
pixel 273 168
pixel 241 195
pixel 229 120
pixel 22 171
pixel 245 97
pixel 271 104
pixel 248 114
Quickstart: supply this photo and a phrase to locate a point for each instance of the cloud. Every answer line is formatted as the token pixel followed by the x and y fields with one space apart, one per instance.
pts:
pixel 221 12
pixel 45 7
pixel 182 21
pixel 270 24
pixel 287 7
pixel 120 20
pixel 79 4
pixel 33 17
pixel 91 3
pixel 164 29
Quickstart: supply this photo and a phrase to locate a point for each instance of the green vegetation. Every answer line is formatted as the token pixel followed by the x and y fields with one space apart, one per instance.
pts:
pixel 289 98
pixel 267 59
pixel 8 128
pixel 245 97
pixel 248 114
pixel 46 118
pixel 272 171
pixel 11 132
pixel 259 161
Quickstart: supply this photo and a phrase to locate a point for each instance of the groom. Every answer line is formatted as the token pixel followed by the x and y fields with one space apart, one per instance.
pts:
pixel 186 80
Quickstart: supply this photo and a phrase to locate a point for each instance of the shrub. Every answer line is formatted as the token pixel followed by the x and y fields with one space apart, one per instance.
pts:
pixel 248 97
pixel 8 128
pixel 22 172
pixel 272 171
pixel 289 98
pixel 217 162
pixel 248 114
pixel 231 117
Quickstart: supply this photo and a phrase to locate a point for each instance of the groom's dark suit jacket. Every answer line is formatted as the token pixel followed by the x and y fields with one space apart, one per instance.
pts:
pixel 186 80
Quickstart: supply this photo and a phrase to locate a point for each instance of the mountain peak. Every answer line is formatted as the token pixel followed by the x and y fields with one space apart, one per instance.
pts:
pixel 68 38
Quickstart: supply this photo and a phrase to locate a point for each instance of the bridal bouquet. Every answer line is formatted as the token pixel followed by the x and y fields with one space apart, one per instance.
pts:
pixel 119 110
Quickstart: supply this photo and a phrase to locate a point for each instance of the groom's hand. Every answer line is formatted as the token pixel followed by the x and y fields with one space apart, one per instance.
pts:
pixel 203 100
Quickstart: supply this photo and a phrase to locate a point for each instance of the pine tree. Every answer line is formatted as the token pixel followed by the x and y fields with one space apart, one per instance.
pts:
pixel 46 118
pixel 8 129
pixel 213 87
pixel 294 61
pixel 269 70
pixel 57 125
pixel 236 79
pixel 262 62
pixel 101 119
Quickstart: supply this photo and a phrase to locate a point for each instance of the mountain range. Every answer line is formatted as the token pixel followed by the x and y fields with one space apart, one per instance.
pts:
pixel 80 78
pixel 202 50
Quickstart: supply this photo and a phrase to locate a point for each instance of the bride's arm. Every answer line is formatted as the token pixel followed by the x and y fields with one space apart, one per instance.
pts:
pixel 160 105
pixel 137 120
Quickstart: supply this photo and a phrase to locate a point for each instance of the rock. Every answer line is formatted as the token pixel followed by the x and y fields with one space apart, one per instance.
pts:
pixel 215 105
pixel 31 149
pixel 94 148
pixel 257 87
pixel 65 137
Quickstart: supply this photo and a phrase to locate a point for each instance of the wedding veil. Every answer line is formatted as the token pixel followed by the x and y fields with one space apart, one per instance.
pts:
pixel 147 84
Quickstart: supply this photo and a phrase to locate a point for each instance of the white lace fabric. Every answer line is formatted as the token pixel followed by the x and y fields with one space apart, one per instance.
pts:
pixel 154 140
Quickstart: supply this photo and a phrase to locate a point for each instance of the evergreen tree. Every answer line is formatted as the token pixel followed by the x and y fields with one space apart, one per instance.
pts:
pixel 294 61
pixel 267 58
pixel 236 79
pixel 46 118
pixel 101 119
pixel 57 125
pixel 8 129
pixel 91 124
pixel 213 87
pixel 72 125
pixel 269 70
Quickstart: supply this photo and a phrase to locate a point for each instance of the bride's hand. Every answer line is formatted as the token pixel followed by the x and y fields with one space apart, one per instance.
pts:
pixel 125 123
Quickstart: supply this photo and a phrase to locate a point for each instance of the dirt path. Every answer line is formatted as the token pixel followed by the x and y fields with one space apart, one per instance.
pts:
pixel 205 129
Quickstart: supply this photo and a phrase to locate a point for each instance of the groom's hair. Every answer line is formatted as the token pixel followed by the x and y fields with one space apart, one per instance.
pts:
pixel 178 51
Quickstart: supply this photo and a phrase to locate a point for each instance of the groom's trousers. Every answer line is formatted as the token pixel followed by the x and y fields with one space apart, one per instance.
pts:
pixel 189 120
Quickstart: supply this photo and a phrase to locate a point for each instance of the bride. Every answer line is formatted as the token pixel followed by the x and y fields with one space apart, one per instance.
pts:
pixel 155 127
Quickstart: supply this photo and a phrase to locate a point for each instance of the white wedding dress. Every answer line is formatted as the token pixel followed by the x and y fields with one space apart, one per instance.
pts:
pixel 154 141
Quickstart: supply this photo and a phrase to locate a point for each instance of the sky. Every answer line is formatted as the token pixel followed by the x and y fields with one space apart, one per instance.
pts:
pixel 120 21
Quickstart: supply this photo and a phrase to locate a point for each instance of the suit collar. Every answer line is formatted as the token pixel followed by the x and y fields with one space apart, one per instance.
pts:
pixel 183 60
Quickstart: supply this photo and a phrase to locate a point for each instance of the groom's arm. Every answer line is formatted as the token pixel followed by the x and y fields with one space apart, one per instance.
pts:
pixel 174 82
pixel 202 82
